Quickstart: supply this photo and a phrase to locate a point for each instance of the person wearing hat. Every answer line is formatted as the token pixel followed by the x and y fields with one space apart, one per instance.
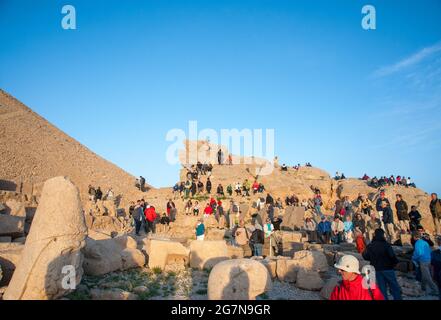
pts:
pixel 436 265
pixel 382 257
pixel 352 286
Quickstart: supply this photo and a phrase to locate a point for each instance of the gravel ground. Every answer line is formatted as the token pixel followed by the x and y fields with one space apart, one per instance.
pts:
pixel 178 283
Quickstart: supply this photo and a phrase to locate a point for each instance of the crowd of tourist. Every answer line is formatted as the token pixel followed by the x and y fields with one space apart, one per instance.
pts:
pixel 369 223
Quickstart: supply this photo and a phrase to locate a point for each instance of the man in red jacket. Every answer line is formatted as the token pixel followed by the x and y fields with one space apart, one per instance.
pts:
pixel 353 287
pixel 150 216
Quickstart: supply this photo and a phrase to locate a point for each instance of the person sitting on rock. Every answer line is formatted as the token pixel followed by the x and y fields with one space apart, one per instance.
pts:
pixel 337 228
pixel 365 177
pixel 230 190
pixel 348 229
pixel 238 189
pixel 208 211
pixel 366 205
pixel 220 190
pixel 169 205
pixel 359 223
pixel 188 208
pixel 196 208
pixel 310 226
pixel 324 230
pixel 352 286
pixel 255 187
pixel 284 168
pixel 337 176
pixel 261 188
pixel 415 218
pixel 200 230
pixel 372 224
pixel 246 187
pixel 165 222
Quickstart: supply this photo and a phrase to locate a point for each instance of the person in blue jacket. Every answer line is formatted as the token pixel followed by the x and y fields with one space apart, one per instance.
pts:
pixel 422 259
pixel 200 230
pixel 324 230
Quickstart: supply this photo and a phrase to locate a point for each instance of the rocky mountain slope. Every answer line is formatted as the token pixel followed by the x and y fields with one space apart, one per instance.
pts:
pixel 33 150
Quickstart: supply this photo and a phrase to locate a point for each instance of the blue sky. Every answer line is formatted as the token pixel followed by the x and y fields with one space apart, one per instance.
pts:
pixel 338 96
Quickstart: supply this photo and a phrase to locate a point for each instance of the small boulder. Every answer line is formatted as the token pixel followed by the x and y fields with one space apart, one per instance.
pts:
pixel 206 254
pixel 309 280
pixel 240 279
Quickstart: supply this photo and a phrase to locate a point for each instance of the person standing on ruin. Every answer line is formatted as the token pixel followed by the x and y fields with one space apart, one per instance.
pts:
pixel 435 210
pixel 422 258
pixel 200 230
pixel 138 217
pixel 92 193
pixel 379 201
pixel 382 257
pixel 402 213
pixel 98 194
pixel 220 157
pixel 170 205
pixel 208 186
pixel 388 220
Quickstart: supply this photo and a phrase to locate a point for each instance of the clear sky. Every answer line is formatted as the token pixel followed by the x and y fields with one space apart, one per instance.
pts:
pixel 338 96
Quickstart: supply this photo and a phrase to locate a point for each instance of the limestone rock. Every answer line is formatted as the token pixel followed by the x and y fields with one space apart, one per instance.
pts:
pixel 55 241
pixel 311 260
pixel 206 254
pixel 309 280
pixel 12 226
pixel 235 252
pixel 286 270
pixel 241 279
pixel 271 265
pixel 163 252
pixel 108 255
pixel 10 255
pixel 16 208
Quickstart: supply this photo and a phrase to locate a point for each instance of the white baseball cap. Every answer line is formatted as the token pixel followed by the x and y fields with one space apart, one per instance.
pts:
pixel 348 263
